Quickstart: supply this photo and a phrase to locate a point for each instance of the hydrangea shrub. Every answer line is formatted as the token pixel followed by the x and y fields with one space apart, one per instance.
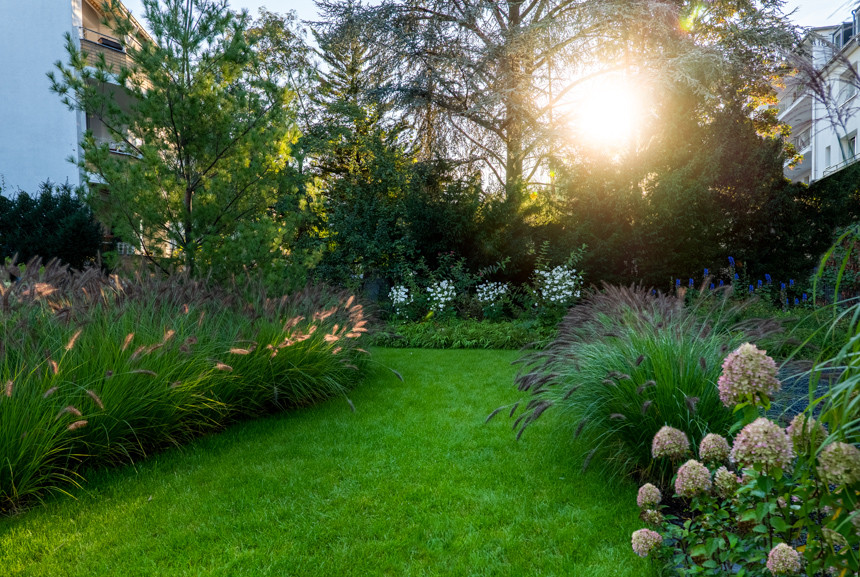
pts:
pixel 775 503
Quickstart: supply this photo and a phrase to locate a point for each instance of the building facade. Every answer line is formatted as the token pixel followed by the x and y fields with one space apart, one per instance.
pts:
pixel 39 136
pixel 821 102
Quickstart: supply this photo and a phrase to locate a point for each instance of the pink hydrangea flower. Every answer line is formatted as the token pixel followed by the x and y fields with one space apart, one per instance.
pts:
pixel 726 483
pixel 805 433
pixel 649 496
pixel 839 464
pixel 693 478
pixel 670 442
pixel 783 560
pixel 645 540
pixel 714 448
pixel 763 442
pixel 749 375
pixel 651 516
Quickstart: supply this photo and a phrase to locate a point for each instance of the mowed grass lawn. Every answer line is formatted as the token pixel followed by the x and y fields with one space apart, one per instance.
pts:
pixel 412 483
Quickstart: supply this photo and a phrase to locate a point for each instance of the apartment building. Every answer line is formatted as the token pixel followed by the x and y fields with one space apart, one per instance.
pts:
pixel 39 135
pixel 821 102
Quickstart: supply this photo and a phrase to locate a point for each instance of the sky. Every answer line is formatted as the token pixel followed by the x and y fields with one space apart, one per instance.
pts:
pixel 808 12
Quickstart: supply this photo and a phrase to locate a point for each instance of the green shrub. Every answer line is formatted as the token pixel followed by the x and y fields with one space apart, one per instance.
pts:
pixel 102 370
pixel 627 362
pixel 784 498
pixel 464 334
pixel 55 223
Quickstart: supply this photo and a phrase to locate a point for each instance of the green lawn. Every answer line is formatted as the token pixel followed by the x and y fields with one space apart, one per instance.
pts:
pixel 412 483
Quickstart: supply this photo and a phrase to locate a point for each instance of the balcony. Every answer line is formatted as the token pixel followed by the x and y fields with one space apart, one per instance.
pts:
pixel 796 111
pixel 839 166
pixel 95 43
pixel 802 140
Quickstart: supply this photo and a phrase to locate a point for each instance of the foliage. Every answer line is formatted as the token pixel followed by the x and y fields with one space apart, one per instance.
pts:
pixel 416 450
pixel 464 334
pixel 100 370
pixel 625 363
pixel 204 130
pixel 772 510
pixel 659 215
pixel 497 77
pixel 55 223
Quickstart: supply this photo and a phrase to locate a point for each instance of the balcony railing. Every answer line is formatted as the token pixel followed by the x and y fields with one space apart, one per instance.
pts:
pixel 94 43
pixel 802 140
pixel 837 167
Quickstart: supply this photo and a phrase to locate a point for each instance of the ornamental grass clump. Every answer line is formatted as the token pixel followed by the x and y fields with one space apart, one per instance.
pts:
pixel 99 370
pixel 629 361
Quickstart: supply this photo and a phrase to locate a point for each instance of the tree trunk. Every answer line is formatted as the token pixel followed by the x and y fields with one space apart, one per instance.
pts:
pixel 514 105
pixel 189 252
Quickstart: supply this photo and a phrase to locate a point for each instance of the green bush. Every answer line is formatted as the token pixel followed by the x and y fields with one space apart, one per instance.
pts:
pixel 464 334
pixel 55 223
pixel 99 370
pixel 784 498
pixel 627 362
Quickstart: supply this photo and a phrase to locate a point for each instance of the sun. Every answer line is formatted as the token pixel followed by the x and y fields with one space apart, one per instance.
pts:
pixel 608 115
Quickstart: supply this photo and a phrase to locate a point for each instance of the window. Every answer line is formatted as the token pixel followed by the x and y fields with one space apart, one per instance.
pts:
pixel 848 82
pixel 826 157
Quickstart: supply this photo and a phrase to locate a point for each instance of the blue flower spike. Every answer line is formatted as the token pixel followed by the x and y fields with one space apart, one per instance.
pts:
pixel 767 278
pixel 677 282
pixel 796 302
pixel 721 282
pixel 759 283
pixel 732 261
pixel 751 288
pixel 691 283
pixel 706 272
pixel 804 297
pixel 737 277
pixel 791 282
pixel 782 286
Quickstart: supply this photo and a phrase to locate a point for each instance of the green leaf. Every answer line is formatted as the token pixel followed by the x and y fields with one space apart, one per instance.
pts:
pixel 698 550
pixel 779 524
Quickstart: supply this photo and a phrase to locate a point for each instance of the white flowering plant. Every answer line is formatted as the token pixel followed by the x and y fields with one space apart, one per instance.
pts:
pixel 492 297
pixel 401 298
pixel 559 286
pixel 440 296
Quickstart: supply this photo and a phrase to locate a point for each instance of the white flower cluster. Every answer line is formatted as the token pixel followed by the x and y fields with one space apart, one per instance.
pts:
pixel 491 292
pixel 559 286
pixel 441 294
pixel 400 297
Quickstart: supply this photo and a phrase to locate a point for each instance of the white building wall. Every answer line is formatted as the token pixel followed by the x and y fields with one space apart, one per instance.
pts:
pixel 37 132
